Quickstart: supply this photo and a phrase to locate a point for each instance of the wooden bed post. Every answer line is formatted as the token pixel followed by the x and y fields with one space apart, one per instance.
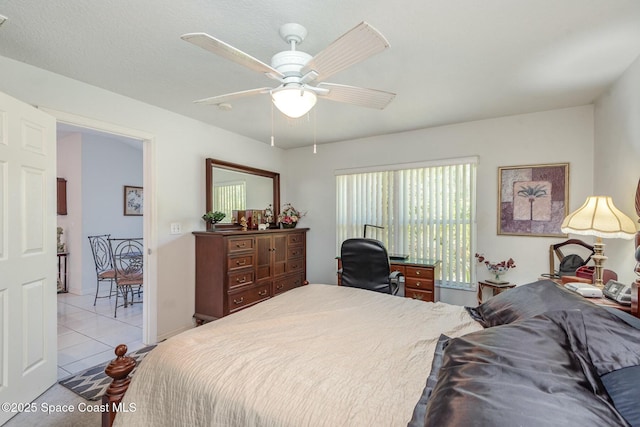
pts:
pixel 118 369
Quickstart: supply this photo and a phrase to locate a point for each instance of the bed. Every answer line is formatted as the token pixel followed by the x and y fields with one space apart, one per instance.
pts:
pixel 324 355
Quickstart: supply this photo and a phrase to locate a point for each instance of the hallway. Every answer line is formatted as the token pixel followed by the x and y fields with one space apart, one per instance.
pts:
pixel 88 335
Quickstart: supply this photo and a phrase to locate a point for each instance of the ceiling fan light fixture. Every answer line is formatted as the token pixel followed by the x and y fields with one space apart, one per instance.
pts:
pixel 293 102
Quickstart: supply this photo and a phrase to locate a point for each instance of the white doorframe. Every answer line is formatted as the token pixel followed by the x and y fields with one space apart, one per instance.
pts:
pixel 149 219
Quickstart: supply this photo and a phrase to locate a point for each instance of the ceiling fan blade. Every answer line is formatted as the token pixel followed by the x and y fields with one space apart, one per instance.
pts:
pixel 229 52
pixel 354 46
pixel 363 97
pixel 214 100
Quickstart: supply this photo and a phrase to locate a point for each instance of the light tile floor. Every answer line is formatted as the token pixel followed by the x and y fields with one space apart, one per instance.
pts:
pixel 87 335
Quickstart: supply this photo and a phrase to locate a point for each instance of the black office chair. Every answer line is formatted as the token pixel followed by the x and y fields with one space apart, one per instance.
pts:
pixel 365 265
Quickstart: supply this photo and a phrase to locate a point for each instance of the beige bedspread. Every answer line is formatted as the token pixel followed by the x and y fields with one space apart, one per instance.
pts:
pixel 319 355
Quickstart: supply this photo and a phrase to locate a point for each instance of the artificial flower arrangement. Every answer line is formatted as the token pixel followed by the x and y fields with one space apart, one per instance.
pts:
pixel 497 268
pixel 290 216
pixel 213 217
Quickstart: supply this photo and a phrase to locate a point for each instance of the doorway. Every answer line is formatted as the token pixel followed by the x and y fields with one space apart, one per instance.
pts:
pixel 149 324
pixel 97 168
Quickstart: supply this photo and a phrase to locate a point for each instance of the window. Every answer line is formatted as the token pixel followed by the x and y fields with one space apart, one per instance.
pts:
pixel 427 211
pixel 230 196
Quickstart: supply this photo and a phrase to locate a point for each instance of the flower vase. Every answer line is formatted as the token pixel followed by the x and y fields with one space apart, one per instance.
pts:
pixel 496 272
pixel 289 225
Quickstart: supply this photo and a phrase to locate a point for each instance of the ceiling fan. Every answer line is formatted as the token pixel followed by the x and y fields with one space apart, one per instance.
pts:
pixel 302 76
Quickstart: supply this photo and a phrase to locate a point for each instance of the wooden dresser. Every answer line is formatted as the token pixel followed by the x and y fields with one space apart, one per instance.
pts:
pixel 236 269
pixel 419 276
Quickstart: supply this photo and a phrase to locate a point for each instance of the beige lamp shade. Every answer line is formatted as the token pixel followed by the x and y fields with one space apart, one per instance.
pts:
pixel 599 217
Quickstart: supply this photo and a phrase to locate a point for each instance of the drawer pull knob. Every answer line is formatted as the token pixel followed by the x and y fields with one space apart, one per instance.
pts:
pixel 417 273
pixel 418 284
pixel 262 292
pixel 238 301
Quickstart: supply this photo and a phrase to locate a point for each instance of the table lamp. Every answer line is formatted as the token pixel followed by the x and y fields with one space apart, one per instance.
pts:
pixel 599 217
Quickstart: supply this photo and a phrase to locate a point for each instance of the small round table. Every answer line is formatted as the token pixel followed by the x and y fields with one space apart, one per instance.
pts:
pixel 496 288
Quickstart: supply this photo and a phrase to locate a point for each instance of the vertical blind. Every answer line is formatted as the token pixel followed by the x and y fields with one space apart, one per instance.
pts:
pixel 230 196
pixel 427 213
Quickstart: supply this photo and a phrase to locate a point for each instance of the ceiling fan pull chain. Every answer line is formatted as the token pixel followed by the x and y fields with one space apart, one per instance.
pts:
pixel 272 137
pixel 315 131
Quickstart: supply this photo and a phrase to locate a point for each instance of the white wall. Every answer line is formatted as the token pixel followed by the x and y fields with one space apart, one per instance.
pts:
pixel 617 150
pixel 557 136
pixel 107 166
pixel 181 145
pixel 69 163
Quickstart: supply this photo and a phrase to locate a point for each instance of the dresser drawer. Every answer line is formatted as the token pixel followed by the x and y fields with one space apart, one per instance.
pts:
pixel 287 283
pixel 423 284
pixel 419 294
pixel 294 265
pixel 246 297
pixel 239 261
pixel 419 272
pixel 241 244
pixel 295 239
pixel 240 278
pixel 295 252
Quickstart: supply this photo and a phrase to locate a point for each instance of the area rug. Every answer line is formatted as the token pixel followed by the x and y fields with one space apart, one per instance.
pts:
pixel 92 383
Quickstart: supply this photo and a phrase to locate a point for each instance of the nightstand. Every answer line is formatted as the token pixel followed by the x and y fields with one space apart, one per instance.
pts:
pixel 495 288
pixel 603 301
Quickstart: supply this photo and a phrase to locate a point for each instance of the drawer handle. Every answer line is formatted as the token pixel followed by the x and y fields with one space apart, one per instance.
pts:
pixel 241 245
pixel 239 280
pixel 417 273
pixel 238 301
pixel 262 292
pixel 280 286
pixel 418 284
pixel 416 296
pixel 244 261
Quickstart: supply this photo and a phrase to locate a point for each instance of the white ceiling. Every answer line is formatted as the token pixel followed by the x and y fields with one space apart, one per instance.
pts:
pixel 449 61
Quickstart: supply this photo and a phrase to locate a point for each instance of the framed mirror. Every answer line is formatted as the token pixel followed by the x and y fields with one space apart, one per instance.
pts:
pixel 232 186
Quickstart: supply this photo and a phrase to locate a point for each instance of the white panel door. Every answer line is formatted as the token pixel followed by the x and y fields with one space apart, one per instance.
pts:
pixel 28 274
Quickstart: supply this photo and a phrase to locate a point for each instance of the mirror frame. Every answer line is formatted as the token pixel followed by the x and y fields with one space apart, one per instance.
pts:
pixel 211 163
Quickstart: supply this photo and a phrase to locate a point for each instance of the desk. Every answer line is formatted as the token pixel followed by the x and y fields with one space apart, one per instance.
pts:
pixel 419 276
pixel 63 272
pixel 495 288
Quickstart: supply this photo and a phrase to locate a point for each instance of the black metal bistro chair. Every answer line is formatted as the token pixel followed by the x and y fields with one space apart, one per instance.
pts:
pixel 103 263
pixel 128 266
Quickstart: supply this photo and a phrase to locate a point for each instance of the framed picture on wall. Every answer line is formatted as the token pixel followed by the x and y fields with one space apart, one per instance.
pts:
pixel 133 200
pixel 533 200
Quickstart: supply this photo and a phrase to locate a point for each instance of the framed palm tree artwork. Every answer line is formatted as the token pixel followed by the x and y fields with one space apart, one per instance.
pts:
pixel 533 199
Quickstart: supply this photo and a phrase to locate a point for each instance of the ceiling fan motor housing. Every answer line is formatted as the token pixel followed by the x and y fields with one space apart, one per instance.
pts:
pixel 290 62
